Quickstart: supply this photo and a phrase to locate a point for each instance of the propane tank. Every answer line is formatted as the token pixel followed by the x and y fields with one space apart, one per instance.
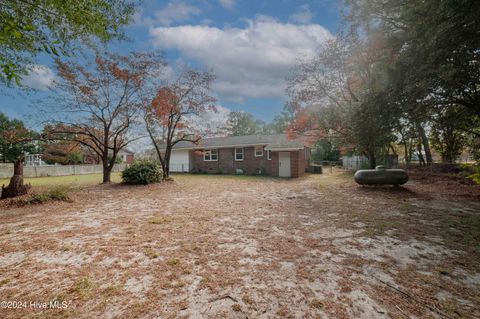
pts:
pixel 381 176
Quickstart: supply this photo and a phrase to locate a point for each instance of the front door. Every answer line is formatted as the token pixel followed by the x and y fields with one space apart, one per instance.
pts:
pixel 284 164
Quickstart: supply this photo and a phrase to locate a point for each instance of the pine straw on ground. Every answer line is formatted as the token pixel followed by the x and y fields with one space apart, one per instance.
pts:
pixel 236 247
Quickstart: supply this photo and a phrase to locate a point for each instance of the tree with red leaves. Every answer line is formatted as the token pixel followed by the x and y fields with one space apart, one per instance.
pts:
pixel 339 93
pixel 167 116
pixel 63 152
pixel 99 104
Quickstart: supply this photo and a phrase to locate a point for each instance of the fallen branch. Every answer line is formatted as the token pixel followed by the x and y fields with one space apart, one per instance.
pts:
pixel 226 296
pixel 432 308
pixel 403 312
pixel 393 287
pixel 421 302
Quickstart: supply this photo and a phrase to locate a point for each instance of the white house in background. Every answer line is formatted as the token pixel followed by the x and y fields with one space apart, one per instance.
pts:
pixel 34 160
pixel 126 155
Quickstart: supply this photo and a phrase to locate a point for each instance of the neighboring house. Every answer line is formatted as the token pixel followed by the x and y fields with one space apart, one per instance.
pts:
pixel 362 162
pixel 126 155
pixel 33 160
pixel 90 157
pixel 273 155
pixel 354 161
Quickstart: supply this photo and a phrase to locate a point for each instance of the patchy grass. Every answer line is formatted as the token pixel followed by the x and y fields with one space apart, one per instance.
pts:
pixel 173 261
pixel 242 246
pixel 85 288
pixel 236 307
pixel 150 253
pixel 58 193
pixel 318 304
pixel 4 281
pixel 71 180
pixel 94 179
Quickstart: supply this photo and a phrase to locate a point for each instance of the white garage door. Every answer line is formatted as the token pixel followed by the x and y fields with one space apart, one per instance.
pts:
pixel 179 161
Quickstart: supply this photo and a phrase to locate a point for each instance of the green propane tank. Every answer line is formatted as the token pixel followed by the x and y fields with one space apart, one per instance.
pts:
pixel 381 176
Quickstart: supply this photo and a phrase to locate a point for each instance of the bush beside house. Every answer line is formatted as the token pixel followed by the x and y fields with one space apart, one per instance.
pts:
pixel 142 173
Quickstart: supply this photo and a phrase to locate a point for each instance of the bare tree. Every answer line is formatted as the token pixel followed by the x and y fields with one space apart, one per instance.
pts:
pixel 100 103
pixel 344 97
pixel 167 115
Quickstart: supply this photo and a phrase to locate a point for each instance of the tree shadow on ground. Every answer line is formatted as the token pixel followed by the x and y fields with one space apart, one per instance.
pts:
pixel 388 191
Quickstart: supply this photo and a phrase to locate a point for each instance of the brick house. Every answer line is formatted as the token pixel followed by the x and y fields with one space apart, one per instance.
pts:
pixel 273 155
pixel 126 156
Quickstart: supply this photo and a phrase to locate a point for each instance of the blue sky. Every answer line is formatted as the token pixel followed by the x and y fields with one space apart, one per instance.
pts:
pixel 250 45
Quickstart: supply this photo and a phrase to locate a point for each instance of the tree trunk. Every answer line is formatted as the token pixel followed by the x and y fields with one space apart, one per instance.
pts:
pixel 426 144
pixel 161 158
pixel 407 155
pixel 15 187
pixel 372 159
pixel 107 171
pixel 164 169
pixel 448 157
pixel 410 151
pixel 166 166
pixel 421 161
pixel 166 172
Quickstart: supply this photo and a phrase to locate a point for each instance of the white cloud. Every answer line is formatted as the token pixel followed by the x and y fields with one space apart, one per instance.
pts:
pixel 40 77
pixel 249 62
pixel 227 4
pixel 303 15
pixel 175 11
pixel 211 123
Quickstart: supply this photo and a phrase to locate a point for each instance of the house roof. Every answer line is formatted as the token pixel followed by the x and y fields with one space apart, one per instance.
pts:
pixel 126 150
pixel 272 142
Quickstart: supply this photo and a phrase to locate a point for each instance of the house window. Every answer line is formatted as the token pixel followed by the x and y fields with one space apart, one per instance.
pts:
pixel 269 155
pixel 239 154
pixel 210 155
pixel 258 151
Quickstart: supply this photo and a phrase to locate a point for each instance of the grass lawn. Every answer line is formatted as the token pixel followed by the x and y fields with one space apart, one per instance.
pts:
pixel 93 179
pixel 70 180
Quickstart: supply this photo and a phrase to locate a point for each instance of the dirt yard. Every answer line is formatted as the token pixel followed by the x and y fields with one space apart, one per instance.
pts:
pixel 243 247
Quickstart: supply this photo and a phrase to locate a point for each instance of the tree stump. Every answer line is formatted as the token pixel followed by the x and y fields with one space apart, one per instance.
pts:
pixel 15 187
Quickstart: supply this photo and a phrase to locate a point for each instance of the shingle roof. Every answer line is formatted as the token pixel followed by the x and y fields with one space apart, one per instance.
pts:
pixel 272 142
pixel 126 150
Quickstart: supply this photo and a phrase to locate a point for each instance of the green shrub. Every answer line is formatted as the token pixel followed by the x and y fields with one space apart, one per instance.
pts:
pixel 143 173
pixel 476 176
pixel 59 193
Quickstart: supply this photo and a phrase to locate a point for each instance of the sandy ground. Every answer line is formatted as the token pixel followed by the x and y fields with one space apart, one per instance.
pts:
pixel 243 247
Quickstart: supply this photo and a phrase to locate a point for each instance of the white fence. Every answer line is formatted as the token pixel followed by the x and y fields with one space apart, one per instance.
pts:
pixel 361 162
pixel 354 162
pixel 6 170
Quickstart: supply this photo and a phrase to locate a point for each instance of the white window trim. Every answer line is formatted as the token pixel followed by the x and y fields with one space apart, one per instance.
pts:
pixel 269 155
pixel 235 154
pixel 255 151
pixel 209 152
